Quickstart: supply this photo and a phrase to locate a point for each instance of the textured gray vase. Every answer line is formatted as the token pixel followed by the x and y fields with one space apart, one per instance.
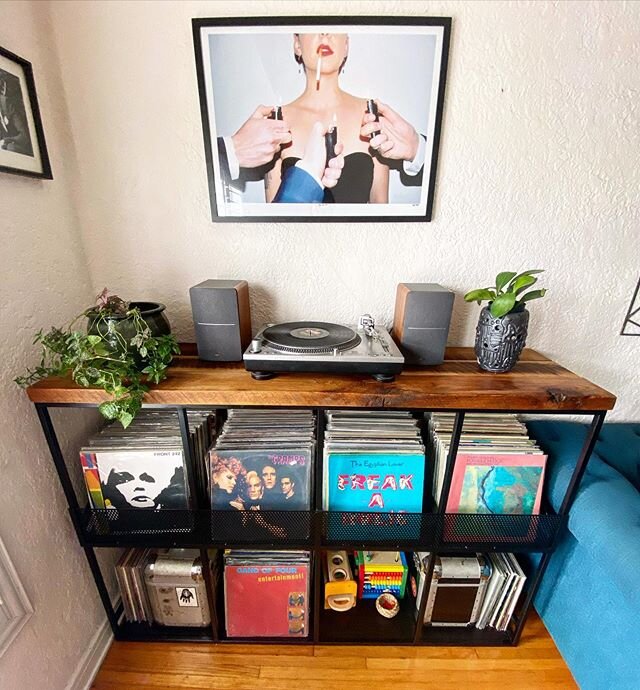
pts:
pixel 499 342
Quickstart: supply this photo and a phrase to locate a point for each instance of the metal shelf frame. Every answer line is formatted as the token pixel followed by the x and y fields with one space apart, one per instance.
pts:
pixel 197 529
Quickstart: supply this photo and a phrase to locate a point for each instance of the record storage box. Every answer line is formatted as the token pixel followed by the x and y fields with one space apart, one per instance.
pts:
pixel 536 385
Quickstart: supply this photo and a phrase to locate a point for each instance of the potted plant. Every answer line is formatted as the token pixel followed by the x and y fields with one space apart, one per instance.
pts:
pixel 127 345
pixel 502 326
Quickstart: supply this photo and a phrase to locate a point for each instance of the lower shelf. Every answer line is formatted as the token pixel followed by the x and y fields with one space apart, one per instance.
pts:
pixel 145 632
pixel 464 637
pixel 364 625
pixel 361 625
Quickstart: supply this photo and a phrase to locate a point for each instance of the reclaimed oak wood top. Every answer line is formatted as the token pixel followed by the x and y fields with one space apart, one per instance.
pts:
pixel 536 383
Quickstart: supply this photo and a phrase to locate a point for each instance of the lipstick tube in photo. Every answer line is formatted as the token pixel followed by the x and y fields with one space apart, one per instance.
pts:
pixel 373 109
pixel 330 141
pixel 276 113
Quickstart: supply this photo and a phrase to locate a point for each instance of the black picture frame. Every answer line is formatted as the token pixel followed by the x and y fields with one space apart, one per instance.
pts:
pixel 223 73
pixel 23 149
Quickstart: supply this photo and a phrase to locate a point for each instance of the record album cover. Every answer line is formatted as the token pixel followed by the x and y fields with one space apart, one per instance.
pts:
pixel 269 479
pixel 267 600
pixel 383 484
pixel 142 479
pixel 497 484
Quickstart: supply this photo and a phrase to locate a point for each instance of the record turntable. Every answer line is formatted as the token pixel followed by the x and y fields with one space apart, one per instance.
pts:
pixel 323 347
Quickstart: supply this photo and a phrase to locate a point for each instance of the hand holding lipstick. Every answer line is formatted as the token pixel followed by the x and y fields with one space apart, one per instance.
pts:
pixel 259 139
pixel 396 138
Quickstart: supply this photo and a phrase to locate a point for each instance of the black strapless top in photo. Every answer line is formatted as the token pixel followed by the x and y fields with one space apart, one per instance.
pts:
pixel 354 185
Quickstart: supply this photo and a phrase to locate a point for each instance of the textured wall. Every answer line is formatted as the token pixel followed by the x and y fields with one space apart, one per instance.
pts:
pixel 538 168
pixel 44 281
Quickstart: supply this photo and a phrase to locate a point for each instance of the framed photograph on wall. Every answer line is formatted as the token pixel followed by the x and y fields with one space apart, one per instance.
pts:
pixel 23 150
pixel 322 118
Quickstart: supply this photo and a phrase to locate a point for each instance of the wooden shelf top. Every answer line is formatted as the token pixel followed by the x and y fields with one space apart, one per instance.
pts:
pixel 536 383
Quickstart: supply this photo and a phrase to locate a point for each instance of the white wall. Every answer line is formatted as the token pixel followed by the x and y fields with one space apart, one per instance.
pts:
pixel 44 281
pixel 538 169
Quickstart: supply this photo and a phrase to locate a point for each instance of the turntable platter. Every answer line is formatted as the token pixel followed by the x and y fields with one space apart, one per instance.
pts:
pixel 310 337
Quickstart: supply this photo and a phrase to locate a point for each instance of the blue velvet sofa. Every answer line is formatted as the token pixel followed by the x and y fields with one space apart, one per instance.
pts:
pixel 589 598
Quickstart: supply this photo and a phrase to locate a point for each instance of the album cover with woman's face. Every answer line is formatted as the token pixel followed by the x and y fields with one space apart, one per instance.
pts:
pixel 274 479
pixel 142 479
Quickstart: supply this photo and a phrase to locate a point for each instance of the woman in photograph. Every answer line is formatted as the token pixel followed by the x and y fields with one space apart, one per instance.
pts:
pixel 364 178
pixel 226 473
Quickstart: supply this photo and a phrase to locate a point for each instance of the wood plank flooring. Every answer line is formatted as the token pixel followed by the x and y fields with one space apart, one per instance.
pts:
pixel 534 664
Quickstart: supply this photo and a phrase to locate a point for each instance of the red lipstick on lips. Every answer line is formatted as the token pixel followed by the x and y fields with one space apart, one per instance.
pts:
pixel 324 50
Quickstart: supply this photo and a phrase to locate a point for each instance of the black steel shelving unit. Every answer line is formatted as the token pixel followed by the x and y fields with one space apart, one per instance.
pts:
pixel 318 531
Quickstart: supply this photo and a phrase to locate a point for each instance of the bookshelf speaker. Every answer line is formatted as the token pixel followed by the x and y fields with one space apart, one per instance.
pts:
pixel 222 319
pixel 421 321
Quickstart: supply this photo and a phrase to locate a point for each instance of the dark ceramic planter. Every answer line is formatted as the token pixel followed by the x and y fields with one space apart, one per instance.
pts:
pixel 152 314
pixel 499 341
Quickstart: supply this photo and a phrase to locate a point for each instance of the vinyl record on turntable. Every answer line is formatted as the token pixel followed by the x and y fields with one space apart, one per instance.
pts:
pixel 310 337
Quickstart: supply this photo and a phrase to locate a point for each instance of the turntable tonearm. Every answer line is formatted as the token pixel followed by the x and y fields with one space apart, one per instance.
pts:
pixel 323 347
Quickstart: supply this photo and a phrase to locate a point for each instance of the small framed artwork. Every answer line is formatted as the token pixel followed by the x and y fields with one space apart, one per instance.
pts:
pixel 322 118
pixel 23 150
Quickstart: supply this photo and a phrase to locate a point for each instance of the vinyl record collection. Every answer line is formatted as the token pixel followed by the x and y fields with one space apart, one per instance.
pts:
pixel 374 470
pixel 262 460
pixel 374 462
pixel 480 589
pixel 499 469
pixel 164 586
pixel 267 593
pixel 143 466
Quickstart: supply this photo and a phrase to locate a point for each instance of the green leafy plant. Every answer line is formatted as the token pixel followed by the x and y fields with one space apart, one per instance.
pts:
pixel 508 294
pixel 121 356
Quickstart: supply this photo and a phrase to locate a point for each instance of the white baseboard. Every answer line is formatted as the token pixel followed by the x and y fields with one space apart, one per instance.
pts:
pixel 90 662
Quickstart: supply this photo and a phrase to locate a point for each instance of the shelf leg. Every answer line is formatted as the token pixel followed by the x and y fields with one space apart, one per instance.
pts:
pixel 61 467
pixel 570 494
pixel 102 588
pixel 425 596
pixel 208 583
pixel 574 483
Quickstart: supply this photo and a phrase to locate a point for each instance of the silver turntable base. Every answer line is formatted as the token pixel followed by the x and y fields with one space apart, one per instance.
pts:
pixel 316 346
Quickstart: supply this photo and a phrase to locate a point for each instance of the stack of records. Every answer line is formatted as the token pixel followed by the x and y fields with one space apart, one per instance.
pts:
pixel 503 591
pixel 381 571
pixel 130 575
pixel 262 461
pixel 164 586
pixel 498 468
pixel 143 466
pixel 266 593
pixel 374 462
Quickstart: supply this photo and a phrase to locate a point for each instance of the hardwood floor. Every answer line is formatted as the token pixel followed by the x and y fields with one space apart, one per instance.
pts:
pixel 534 663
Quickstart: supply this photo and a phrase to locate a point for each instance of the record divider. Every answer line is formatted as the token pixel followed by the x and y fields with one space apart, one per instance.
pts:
pixel 316 524
pixel 442 506
pixel 197 502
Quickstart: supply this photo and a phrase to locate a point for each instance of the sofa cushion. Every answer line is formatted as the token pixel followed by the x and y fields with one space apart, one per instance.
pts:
pixel 590 619
pixel 605 516
pixel 619 446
